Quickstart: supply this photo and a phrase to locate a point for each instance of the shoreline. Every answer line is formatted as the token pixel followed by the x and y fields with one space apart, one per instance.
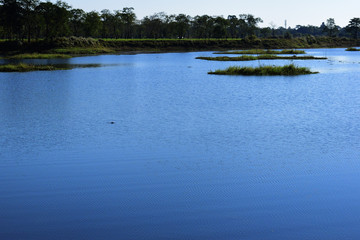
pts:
pixel 74 46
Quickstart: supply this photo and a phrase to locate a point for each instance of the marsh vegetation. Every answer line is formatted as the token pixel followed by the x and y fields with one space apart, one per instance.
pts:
pixel 37 56
pixel 352 49
pixel 287 70
pixel 261 57
pixel 23 67
pixel 263 51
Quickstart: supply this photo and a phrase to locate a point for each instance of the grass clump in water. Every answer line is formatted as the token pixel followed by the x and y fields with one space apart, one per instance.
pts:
pixel 23 67
pixel 261 57
pixel 287 70
pixel 241 58
pixel 263 51
pixel 352 49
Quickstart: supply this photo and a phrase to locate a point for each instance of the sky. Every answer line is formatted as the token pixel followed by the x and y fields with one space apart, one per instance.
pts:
pixel 303 12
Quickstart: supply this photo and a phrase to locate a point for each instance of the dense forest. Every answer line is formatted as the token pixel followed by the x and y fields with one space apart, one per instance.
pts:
pixel 33 19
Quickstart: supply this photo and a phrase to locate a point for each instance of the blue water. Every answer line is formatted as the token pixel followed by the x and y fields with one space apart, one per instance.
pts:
pixel 190 156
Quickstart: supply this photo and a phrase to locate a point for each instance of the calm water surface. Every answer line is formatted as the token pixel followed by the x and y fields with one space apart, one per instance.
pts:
pixel 190 156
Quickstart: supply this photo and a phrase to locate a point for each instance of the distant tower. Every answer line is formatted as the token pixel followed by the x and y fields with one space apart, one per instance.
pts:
pixel 285 24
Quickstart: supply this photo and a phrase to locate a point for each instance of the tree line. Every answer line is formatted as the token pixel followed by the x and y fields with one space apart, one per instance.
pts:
pixel 33 19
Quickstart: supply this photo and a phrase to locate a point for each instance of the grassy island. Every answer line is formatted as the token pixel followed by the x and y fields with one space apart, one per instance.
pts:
pixel 22 67
pixel 352 49
pixel 261 57
pixel 287 70
pixel 262 51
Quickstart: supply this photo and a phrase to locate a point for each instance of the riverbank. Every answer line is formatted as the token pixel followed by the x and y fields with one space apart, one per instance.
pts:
pixel 89 46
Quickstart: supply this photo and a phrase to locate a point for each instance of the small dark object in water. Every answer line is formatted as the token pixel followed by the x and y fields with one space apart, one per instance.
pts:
pixel 112 122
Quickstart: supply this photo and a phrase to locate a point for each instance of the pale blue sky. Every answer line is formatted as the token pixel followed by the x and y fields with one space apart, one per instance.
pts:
pixel 302 12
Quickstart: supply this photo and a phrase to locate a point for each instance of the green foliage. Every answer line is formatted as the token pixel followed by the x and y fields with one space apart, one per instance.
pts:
pixel 40 19
pixel 249 23
pixel 54 19
pixel 182 25
pixel 331 28
pixel 354 27
pixel 287 70
pixel 92 24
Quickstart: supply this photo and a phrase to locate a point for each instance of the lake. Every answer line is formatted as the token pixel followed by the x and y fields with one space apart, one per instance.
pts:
pixel 188 156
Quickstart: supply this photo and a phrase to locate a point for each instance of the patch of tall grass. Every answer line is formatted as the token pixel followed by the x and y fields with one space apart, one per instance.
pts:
pixel 23 67
pixel 261 57
pixel 287 70
pixel 263 51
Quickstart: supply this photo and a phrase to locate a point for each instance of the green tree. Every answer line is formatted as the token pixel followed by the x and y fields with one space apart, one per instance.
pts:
pixel 29 15
pixel 154 25
pixel 354 27
pixel 55 18
pixel 331 28
pixel 108 24
pixel 128 18
pixel 233 22
pixel 1 22
pixel 203 26
pixel 92 24
pixel 248 24
pixel 182 25
pixel 12 18
pixel 220 27
pixel 170 23
pixel 77 18
pixel 266 32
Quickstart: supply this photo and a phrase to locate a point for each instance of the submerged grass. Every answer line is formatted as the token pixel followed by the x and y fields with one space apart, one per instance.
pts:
pixel 352 49
pixel 262 51
pixel 261 57
pixel 287 70
pixel 22 67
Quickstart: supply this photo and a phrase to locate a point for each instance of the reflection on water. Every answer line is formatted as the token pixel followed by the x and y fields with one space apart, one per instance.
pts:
pixel 189 156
